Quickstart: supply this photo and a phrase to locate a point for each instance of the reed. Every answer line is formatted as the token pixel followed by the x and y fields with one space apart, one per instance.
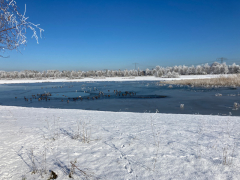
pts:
pixel 221 81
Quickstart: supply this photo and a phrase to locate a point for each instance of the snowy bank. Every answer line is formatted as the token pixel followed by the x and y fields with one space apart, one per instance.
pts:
pixel 138 78
pixel 117 145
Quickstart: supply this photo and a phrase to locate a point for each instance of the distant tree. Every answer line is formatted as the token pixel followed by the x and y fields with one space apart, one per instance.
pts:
pixel 224 68
pixel 234 68
pixel 135 73
pixel 83 74
pixel 114 73
pixel 184 70
pixel 157 69
pixel 126 72
pixel 120 73
pixel 99 73
pixel 199 69
pixel 147 72
pixel 215 68
pixel 206 68
pixel 190 70
pixel 109 73
pixel 175 69
pixel 13 26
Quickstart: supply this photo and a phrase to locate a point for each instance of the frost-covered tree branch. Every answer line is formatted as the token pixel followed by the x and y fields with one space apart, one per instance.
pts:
pixel 14 25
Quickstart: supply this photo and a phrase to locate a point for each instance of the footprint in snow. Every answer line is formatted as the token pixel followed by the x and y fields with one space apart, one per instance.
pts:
pixel 128 168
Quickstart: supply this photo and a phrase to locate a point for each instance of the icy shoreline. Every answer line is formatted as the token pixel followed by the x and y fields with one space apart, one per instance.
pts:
pixel 138 78
pixel 121 145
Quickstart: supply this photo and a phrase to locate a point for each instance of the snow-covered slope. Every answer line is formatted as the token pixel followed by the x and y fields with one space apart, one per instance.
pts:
pixel 116 145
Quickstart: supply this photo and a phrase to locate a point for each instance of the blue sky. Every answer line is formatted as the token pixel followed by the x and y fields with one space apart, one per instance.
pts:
pixel 114 34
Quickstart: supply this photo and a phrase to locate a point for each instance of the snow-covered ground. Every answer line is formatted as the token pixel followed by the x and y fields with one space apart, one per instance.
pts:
pixel 117 145
pixel 139 78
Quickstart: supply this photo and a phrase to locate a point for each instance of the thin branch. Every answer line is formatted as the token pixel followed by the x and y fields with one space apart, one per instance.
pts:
pixel 4 57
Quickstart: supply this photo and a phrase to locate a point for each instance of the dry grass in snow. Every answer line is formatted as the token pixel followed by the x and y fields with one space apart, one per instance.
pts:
pixel 222 81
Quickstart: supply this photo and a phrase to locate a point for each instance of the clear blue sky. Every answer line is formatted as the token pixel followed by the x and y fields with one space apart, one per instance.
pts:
pixel 114 34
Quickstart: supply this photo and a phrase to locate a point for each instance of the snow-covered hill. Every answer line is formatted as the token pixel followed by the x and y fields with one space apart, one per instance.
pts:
pixel 116 145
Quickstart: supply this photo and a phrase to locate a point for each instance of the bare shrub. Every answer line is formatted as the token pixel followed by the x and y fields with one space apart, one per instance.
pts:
pixel 38 163
pixel 83 132
pixel 52 130
pixel 74 167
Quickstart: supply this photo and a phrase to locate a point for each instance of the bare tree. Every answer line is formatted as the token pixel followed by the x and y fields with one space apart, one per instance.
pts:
pixel 13 26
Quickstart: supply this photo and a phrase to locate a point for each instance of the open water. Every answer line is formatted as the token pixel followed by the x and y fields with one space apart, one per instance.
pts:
pixel 135 96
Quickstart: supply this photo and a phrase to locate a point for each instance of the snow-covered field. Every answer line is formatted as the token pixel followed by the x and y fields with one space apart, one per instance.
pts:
pixel 117 145
pixel 139 78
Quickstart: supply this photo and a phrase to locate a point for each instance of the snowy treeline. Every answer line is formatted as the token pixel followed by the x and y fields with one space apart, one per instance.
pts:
pixel 67 74
pixel 158 71
pixel 175 71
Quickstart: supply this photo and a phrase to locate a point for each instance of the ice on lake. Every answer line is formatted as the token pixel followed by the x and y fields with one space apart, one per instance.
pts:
pixel 134 96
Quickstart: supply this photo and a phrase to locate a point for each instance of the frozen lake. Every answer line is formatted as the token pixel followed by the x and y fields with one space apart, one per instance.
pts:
pixel 134 96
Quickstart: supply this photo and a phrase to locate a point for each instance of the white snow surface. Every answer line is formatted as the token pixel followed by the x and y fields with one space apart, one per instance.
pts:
pixel 138 78
pixel 121 145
